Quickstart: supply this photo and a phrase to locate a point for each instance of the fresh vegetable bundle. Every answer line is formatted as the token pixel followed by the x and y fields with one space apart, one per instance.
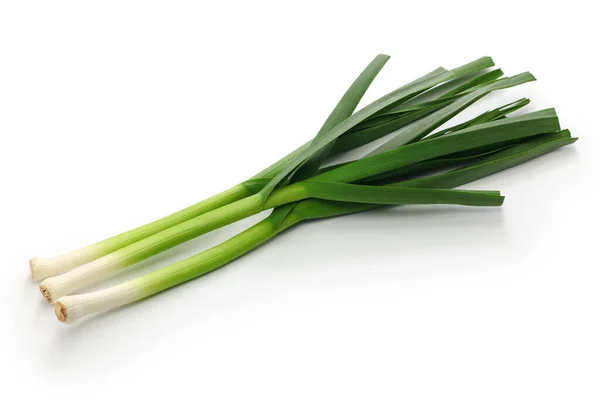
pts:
pixel 417 165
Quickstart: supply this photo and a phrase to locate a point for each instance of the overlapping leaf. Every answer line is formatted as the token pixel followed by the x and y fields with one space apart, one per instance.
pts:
pixel 389 100
pixel 501 131
pixel 516 154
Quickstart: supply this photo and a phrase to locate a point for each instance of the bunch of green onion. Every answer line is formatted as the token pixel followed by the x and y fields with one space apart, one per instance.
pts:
pixel 416 165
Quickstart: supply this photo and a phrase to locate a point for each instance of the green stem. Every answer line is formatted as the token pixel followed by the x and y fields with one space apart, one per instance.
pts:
pixel 93 272
pixel 209 260
pixel 42 268
pixel 71 308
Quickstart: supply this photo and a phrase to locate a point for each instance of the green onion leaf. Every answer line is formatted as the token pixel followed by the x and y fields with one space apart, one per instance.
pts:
pixel 396 195
pixel 384 102
pixel 499 161
pixel 500 131
pixel 343 110
pixel 492 115
pixel 423 127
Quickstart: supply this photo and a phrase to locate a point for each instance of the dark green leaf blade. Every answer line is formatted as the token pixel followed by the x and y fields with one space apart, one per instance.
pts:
pixel 343 110
pixel 500 131
pixel 428 124
pixel 518 154
pixel 361 115
pixel 488 116
pixel 397 195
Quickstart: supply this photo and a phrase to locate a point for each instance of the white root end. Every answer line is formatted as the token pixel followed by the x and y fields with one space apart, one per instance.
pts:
pixel 54 287
pixel 76 279
pixel 62 313
pixel 69 309
pixel 42 268
pixel 46 293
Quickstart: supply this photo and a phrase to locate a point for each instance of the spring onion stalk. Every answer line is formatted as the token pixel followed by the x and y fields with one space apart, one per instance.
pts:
pixel 79 278
pixel 43 267
pixel 69 309
pixel 326 186
pixel 108 260
pixel 352 135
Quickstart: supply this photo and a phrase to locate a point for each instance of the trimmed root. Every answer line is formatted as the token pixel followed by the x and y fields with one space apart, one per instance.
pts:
pixel 61 312
pixel 46 293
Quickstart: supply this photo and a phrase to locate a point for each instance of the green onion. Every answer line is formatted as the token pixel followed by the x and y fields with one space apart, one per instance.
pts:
pixel 298 188
pixel 95 271
pixel 71 308
pixel 324 186
pixel 308 155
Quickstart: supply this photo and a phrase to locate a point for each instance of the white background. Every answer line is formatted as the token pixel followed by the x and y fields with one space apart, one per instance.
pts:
pixel 115 113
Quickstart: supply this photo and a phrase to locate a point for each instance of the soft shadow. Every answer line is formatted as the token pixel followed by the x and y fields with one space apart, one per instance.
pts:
pixel 399 232
pixel 103 338
pixel 405 233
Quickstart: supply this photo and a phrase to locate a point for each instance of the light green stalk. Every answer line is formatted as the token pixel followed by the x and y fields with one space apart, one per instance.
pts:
pixel 71 308
pixel 97 270
pixel 45 267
